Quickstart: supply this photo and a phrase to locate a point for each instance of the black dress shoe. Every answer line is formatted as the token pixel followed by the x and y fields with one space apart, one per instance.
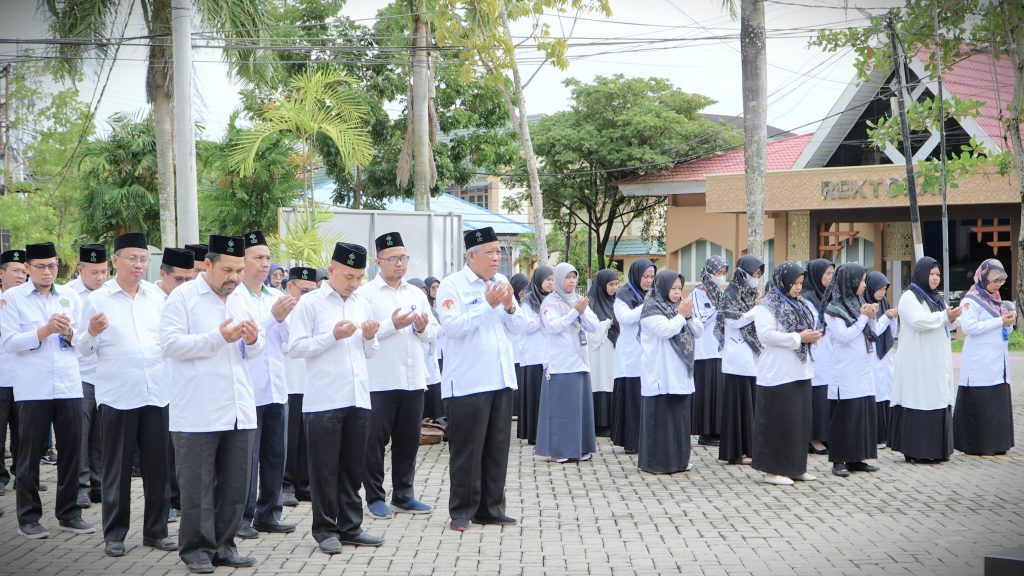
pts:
pixel 499 521
pixel 364 538
pixel 289 499
pixel 114 549
pixel 279 528
pixel 201 567
pixel 95 497
pixel 839 469
pixel 165 544
pixel 235 561
pixel 812 450
pixel 83 500
pixel 303 496
pixel 459 524
pixel 247 532
pixel 330 546
pixel 861 467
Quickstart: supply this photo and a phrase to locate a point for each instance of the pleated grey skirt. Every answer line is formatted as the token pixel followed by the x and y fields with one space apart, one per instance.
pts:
pixel 665 433
pixel 565 423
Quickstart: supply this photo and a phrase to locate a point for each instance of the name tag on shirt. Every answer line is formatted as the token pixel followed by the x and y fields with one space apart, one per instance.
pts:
pixel 471 297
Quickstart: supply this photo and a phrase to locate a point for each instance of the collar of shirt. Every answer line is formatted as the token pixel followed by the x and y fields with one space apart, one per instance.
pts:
pixel 379 283
pixel 53 288
pixel 263 291
pixel 113 287
pixel 471 276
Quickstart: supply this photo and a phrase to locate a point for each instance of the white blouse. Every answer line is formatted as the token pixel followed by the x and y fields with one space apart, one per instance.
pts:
pixel 663 370
pixel 532 344
pixel 851 362
pixel 986 358
pixel 628 362
pixel 778 363
pixel 706 313
pixel 881 368
pixel 566 354
pixel 822 352
pixel 737 358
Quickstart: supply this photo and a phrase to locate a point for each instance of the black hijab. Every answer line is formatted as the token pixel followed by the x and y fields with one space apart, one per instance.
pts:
pixel 919 285
pixel 875 282
pixel 631 293
pixel 813 288
pixel 536 295
pixel 791 314
pixel 601 303
pixel 518 282
pixel 659 304
pixel 430 281
pixel 737 300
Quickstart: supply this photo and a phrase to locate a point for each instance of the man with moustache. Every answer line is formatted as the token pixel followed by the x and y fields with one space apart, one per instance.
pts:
pixel 398 376
pixel 12 273
pixel 92 273
pixel 208 330
pixel 479 315
pixel 122 332
pixel 38 326
pixel 263 507
pixel 177 266
pixel 301 281
pixel 333 329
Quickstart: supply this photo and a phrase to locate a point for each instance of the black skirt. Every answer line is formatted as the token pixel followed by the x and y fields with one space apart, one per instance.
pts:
pixel 626 414
pixel 819 413
pixel 737 417
pixel 529 402
pixel 922 434
pixel 983 419
pixel 882 419
pixel 433 408
pixel 707 397
pixel 665 433
pixel 603 413
pixel 853 430
pixel 782 422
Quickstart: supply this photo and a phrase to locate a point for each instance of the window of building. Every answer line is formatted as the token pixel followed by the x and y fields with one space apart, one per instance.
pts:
pixel 693 255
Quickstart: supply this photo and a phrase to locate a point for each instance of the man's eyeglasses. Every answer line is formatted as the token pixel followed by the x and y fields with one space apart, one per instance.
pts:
pixel 395 260
pixel 136 259
pixel 45 266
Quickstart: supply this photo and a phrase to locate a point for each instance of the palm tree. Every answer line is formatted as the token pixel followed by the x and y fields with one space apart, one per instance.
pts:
pixel 95 21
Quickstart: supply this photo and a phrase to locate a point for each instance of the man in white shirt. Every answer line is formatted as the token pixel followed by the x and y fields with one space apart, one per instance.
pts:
pixel 398 376
pixel 295 487
pixel 479 315
pixel 263 510
pixel 208 329
pixel 121 330
pixel 12 273
pixel 38 326
pixel 177 266
pixel 333 329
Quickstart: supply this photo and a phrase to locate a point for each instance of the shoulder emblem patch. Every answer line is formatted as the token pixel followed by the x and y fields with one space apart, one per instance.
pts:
pixel 448 304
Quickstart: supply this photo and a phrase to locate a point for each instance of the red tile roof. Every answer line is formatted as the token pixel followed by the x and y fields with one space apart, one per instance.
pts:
pixel 981 77
pixel 781 154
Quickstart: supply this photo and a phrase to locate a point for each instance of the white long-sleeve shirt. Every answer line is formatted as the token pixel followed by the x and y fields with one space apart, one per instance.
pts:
pixel 532 343
pixel 478 339
pixel 704 311
pixel 628 353
pixel 778 363
pixel 881 368
pixel 986 358
pixel 269 378
pixel 7 375
pixel 399 364
pixel 923 371
pixel 566 355
pixel 336 371
pixel 663 370
pixel 211 389
pixel 851 359
pixel 737 358
pixel 86 364
pixel 45 370
pixel 130 368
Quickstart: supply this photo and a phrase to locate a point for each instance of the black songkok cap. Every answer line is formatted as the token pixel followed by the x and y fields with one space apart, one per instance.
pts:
pixel 227 245
pixel 41 251
pixel 351 255
pixel 479 236
pixel 92 253
pixel 131 240
pixel 199 250
pixel 389 240
pixel 254 238
pixel 302 273
pixel 13 256
pixel 179 258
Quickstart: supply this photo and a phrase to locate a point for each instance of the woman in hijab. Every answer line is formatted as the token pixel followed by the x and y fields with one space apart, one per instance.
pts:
pixel 816 281
pixel 850 323
pixel 707 368
pixel 785 326
pixel 432 406
pixel 565 427
pixel 432 284
pixel 519 283
pixel 923 387
pixel 668 335
pixel 274 277
pixel 740 347
pixel 602 347
pixel 983 417
pixel 532 354
pixel 629 301
pixel 886 327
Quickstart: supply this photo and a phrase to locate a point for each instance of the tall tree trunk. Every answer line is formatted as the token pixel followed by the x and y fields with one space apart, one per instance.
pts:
pixel 160 91
pixel 421 113
pixel 357 190
pixel 1014 15
pixel 755 118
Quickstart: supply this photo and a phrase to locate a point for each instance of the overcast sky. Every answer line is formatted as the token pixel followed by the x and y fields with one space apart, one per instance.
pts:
pixel 803 82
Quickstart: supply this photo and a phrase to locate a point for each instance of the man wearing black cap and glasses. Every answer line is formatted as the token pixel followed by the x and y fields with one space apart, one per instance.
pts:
pixel 92 273
pixel 12 273
pixel 479 315
pixel 333 329
pixel 38 325
pixel 177 266
pixel 207 331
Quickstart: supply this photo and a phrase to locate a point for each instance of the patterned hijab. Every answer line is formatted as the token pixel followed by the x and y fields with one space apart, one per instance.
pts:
pixel 989 270
pixel 841 299
pixel 813 288
pixel 601 303
pixel 536 295
pixel 707 278
pixel 632 294
pixel 659 304
pixel 920 284
pixel 737 300
pixel 875 282
pixel 791 314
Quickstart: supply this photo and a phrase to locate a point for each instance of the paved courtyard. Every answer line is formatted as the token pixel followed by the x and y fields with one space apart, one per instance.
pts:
pixel 604 517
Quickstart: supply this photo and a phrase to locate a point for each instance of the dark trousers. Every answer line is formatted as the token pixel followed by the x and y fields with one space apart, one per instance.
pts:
pixel 8 417
pixel 395 415
pixel 91 462
pixel 268 455
pixel 337 447
pixel 296 466
pixel 34 420
pixel 173 494
pixel 213 474
pixel 123 430
pixel 479 432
